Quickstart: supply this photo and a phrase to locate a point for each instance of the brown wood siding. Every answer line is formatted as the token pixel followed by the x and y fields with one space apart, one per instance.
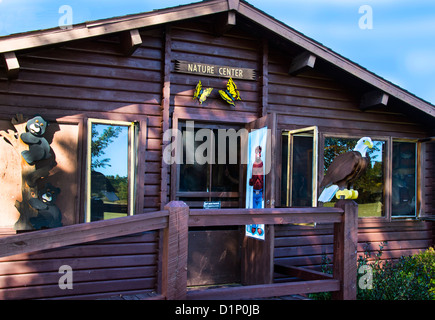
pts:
pixel 313 98
pixel 196 42
pixel 70 83
pixel 191 43
pixel 305 246
pixel 120 265
pixel 93 78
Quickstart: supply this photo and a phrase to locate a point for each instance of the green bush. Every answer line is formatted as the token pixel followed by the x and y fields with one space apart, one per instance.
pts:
pixel 408 278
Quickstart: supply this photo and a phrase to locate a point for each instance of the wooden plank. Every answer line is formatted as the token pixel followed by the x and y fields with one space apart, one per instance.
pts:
pixel 54 290
pixel 373 99
pixel 265 290
pixel 302 273
pixel 345 250
pixel 174 255
pixel 257 258
pixel 81 233
pixel 130 41
pixel 265 78
pixel 166 96
pixel 112 25
pixel 302 62
pixel 224 22
pixel 229 217
pixel 85 275
pixel 12 65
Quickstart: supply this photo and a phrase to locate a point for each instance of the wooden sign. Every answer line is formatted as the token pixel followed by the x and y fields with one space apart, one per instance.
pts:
pixel 212 70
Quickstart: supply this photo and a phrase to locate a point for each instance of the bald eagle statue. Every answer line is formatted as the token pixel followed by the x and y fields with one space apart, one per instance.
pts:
pixel 344 170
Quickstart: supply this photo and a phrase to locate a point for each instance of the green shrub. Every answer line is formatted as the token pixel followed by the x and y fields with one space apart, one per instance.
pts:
pixel 408 278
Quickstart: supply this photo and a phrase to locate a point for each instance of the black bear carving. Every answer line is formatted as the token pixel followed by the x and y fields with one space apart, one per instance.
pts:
pixel 39 148
pixel 49 215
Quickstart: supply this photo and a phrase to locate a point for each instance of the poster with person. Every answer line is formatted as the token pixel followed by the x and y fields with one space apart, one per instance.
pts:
pixel 256 165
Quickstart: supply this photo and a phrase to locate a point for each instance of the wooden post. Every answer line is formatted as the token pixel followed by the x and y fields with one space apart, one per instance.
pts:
pixel 257 258
pixel 345 250
pixel 174 260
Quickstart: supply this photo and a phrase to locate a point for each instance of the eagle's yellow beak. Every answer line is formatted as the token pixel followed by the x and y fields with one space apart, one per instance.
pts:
pixel 369 143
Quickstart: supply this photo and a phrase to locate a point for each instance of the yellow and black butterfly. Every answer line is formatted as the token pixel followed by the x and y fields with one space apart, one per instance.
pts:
pixel 200 93
pixel 231 94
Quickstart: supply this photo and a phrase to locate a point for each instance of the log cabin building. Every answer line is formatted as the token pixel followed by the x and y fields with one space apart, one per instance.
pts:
pixel 110 89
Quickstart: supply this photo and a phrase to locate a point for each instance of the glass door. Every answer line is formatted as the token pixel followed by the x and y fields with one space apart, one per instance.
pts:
pixel 299 174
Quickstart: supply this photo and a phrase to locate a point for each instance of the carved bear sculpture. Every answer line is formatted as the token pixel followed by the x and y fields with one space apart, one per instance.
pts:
pixel 49 215
pixel 39 148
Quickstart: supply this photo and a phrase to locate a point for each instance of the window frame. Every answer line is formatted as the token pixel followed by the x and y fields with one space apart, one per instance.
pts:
pixel 314 166
pixel 387 166
pixel 133 155
pixel 417 179
pixel 236 196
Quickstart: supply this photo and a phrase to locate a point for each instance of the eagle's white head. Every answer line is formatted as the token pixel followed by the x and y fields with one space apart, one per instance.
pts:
pixel 363 144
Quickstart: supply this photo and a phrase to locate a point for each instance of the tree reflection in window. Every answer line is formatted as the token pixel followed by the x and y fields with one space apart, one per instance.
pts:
pixel 109 171
pixel 370 186
pixel 404 179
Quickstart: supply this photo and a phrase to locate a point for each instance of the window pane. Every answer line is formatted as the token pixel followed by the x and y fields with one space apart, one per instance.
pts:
pixel 225 177
pixel 404 179
pixel 370 186
pixel 208 177
pixel 109 171
pixel 302 172
pixel 193 176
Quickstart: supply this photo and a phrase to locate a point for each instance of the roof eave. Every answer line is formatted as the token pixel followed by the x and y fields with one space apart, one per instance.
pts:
pixel 112 25
pixel 158 17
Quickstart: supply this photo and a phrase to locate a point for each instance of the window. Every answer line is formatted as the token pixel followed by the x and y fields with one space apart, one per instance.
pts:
pixel 404 191
pixel 370 186
pixel 205 173
pixel 299 162
pixel 111 169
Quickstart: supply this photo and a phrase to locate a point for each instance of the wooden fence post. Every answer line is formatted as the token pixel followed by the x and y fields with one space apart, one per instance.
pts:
pixel 174 261
pixel 345 250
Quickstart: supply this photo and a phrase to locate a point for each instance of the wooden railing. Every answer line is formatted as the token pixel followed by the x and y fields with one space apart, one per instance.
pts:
pixel 175 221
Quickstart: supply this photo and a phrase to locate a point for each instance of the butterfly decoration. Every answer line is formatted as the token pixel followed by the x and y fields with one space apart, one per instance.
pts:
pixel 230 94
pixel 200 93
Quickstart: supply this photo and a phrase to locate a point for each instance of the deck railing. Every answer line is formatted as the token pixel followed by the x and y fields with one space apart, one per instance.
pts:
pixel 175 221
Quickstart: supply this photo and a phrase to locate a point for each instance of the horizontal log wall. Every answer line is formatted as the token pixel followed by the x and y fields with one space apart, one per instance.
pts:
pixel 313 98
pixel 122 265
pixel 195 41
pixel 67 84
pixel 307 246
pixel 93 78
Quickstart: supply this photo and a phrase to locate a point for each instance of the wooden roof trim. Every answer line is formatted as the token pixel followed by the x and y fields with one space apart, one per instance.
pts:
pixel 158 17
pixel 373 99
pixel 112 25
pixel 306 60
pixel 12 65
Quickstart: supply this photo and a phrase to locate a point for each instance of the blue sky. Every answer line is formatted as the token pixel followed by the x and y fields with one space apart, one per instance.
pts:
pixel 400 47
